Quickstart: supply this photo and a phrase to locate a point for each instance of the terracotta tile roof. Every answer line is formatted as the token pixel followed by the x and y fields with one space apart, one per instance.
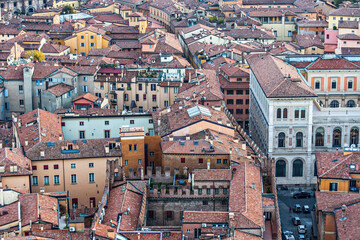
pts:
pixel 338 63
pixel 216 63
pixel 53 48
pixel 332 165
pixel 16 157
pixel 84 70
pixel 59 89
pixel 234 71
pixel 277 78
pixel 348 24
pixel 347 12
pixel 246 194
pixel 237 198
pixel 10 29
pixel 174 235
pixel 43 70
pixel 54 150
pixel 34 207
pixel 226 142
pixel 12 73
pixel 263 2
pixel 112 18
pixel 300 64
pixel 177 117
pixel 207 87
pixel 329 201
pixel 87 96
pixel 38 126
pixel 249 33
pixel 126 196
pixel 348 36
pixel 350 51
pixel 243 235
pixel 189 147
pixel 268 202
pixel 347 221
pixel 63 234
pixel 205 217
pixel 310 23
pixel 212 175
pixel 309 40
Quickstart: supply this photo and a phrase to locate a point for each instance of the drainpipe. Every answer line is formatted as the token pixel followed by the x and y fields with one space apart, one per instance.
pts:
pixel 2 197
pixel 19 216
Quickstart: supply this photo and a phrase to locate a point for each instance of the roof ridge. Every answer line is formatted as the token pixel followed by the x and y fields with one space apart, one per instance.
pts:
pixel 336 165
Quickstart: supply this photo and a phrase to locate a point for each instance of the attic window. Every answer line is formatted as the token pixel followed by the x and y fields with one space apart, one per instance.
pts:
pixel 31 123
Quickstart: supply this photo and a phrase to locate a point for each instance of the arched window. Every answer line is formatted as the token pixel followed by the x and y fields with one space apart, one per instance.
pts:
pixel 354 136
pixel 337 137
pixel 285 113
pixel 350 104
pixel 278 113
pixel 299 139
pixel 334 104
pixel 319 137
pixel 281 140
pixel 297 168
pixel 280 168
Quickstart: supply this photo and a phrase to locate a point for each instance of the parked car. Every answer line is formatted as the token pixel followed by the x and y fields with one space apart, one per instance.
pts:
pixel 301 195
pixel 301 229
pixel 296 221
pixel 297 208
pixel 306 209
pixel 288 235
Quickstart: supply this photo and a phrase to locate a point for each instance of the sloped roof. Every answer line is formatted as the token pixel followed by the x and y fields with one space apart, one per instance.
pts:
pixel 277 78
pixel 332 165
pixel 38 126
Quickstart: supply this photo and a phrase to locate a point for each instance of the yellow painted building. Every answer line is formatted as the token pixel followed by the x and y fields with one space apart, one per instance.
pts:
pixel 339 172
pixel 83 40
pixel 63 3
pixel 114 8
pixel 342 14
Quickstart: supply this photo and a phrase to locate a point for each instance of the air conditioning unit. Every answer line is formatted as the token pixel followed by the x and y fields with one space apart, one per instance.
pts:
pixel 72 229
pixel 203 225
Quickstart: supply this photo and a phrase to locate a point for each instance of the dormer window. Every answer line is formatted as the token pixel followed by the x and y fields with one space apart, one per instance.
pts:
pixel 352 166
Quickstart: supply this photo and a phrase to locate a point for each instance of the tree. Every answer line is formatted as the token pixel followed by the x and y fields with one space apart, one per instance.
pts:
pixel 35 55
pixel 67 10
pixel 220 21
pixel 213 19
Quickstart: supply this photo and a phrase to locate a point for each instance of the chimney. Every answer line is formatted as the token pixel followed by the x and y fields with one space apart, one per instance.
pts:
pixel 1 144
pixel 187 137
pixel 243 146
pixel 26 142
pixel 207 137
pixel 171 138
pixel 19 123
pixel 337 151
pixel 107 149
pixel 42 154
pixel 142 173
pixel 60 138
pixel 219 120
pixel 236 140
pixel 208 164
pixel 159 122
